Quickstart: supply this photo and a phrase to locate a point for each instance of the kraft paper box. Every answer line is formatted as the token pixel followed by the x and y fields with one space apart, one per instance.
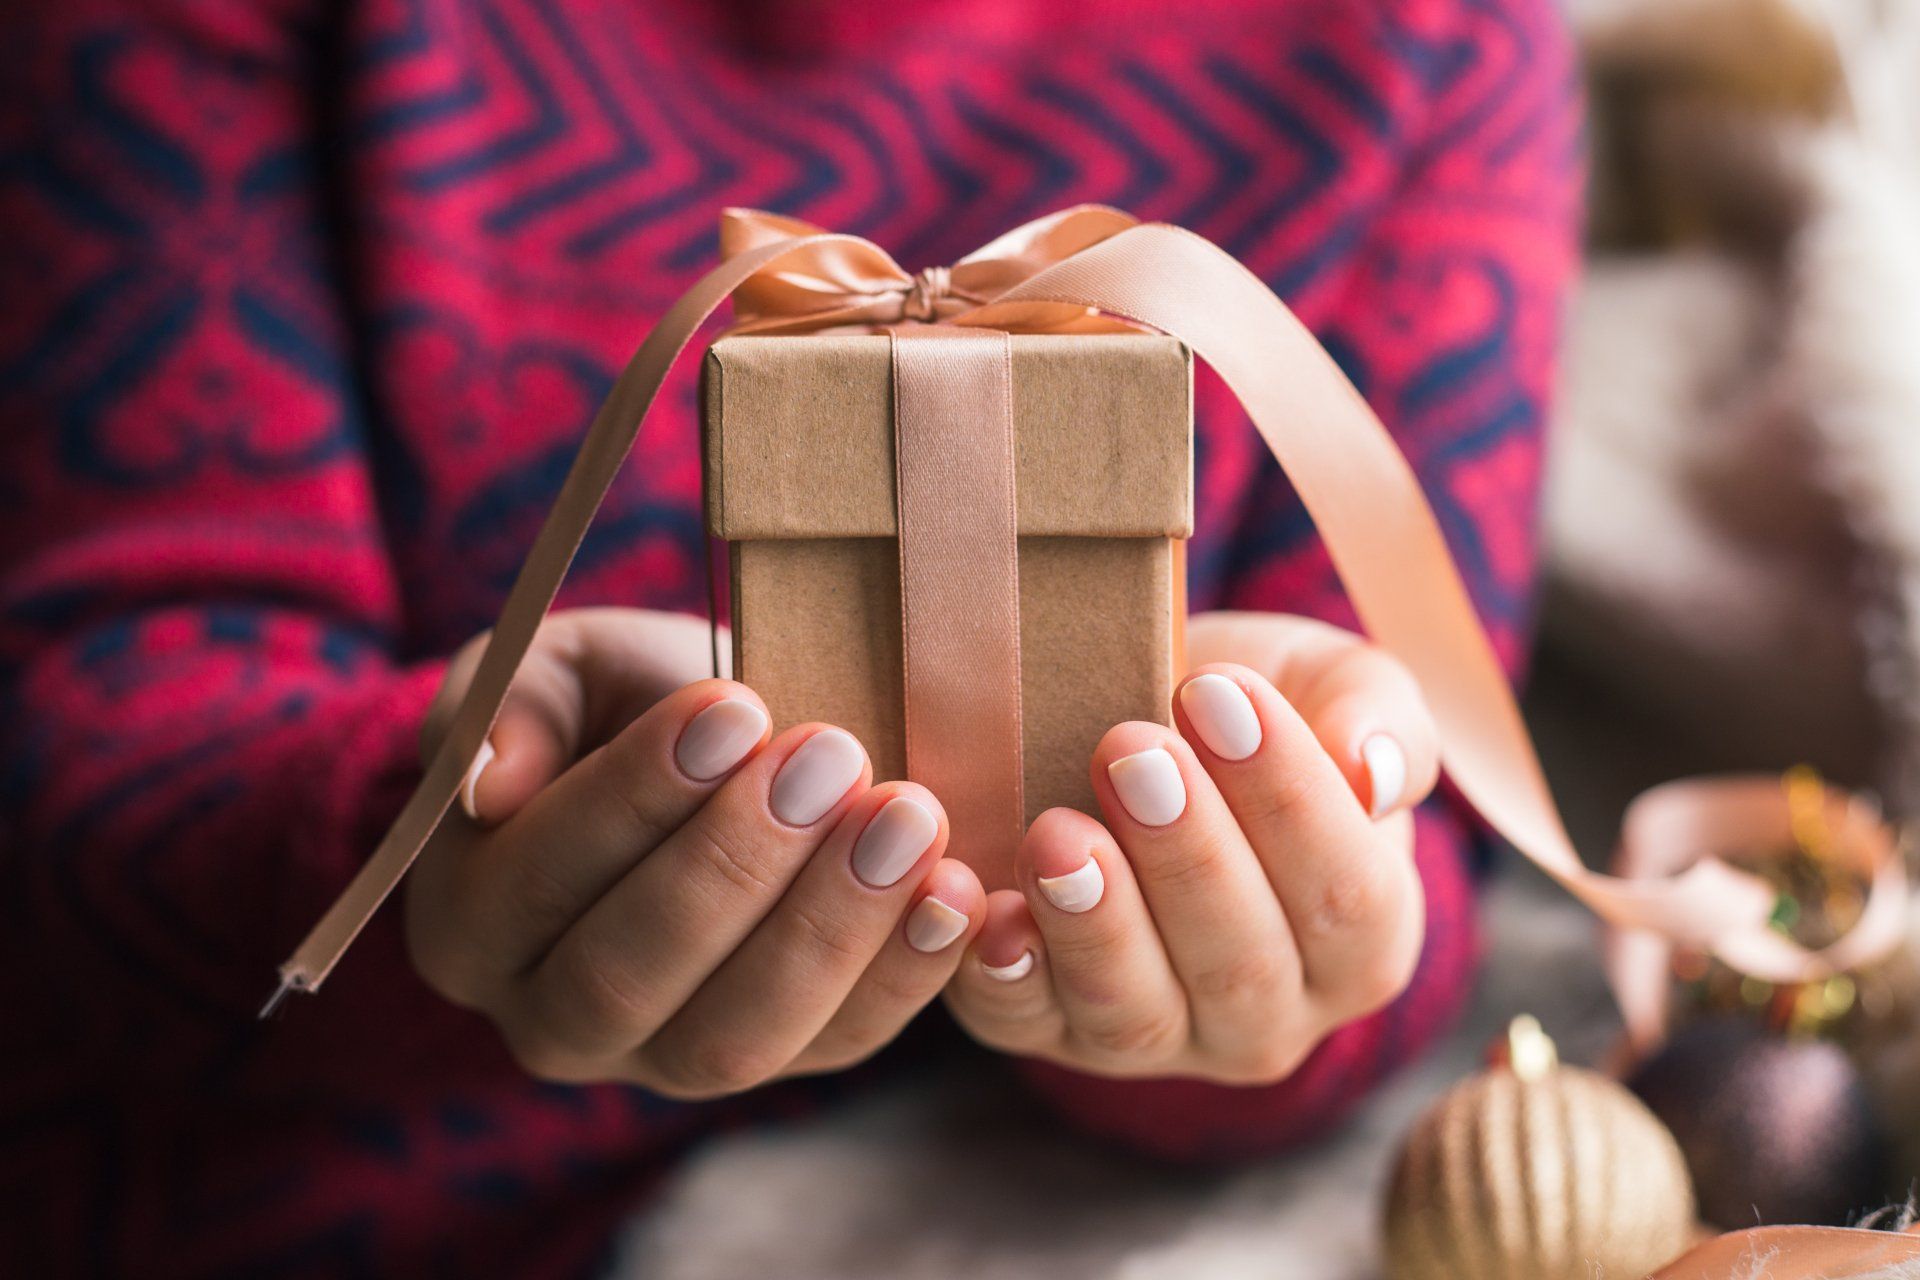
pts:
pixel 800 481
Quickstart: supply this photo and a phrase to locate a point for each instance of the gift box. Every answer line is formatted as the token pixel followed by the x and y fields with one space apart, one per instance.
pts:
pixel 801 482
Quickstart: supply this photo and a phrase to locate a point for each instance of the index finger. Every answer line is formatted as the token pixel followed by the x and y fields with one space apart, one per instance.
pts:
pixel 1361 702
pixel 519 888
pixel 1349 891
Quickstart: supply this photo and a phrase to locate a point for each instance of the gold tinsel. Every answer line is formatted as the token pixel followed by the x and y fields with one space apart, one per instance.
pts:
pixel 1535 1171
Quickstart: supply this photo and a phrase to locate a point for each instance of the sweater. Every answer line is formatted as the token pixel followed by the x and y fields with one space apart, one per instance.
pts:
pixel 307 306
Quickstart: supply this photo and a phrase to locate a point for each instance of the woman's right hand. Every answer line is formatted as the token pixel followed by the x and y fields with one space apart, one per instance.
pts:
pixel 644 888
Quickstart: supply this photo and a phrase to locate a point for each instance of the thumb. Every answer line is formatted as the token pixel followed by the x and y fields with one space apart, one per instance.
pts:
pixel 588 674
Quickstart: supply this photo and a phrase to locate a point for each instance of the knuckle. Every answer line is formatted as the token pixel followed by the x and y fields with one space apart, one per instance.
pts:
pixel 538 896
pixel 1191 864
pixel 1258 975
pixel 736 865
pixel 599 995
pixel 1087 972
pixel 830 934
pixel 894 989
pixel 1290 791
pixel 1150 1035
pixel 1354 899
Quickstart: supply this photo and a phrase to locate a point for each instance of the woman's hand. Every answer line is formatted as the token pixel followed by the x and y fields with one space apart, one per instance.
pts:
pixel 1253 886
pixel 644 888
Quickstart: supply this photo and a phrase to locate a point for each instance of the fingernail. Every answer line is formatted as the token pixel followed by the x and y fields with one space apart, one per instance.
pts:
pixel 893 841
pixel 1223 714
pixel 1150 787
pixel 815 777
pixel 933 925
pixel 1386 773
pixel 468 799
pixel 1078 890
pixel 1010 972
pixel 719 738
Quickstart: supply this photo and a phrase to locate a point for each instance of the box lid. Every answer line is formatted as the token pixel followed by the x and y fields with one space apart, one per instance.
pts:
pixel 799 436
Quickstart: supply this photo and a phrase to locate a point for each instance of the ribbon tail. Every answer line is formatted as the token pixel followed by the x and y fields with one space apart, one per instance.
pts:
pixel 1390 554
pixel 607 443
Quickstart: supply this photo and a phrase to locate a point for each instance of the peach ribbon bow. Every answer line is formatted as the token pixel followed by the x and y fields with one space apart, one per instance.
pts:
pixel 1089 269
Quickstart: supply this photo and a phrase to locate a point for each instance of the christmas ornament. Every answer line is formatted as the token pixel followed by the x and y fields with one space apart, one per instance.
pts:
pixel 1882 1036
pixel 1535 1171
pixel 1774 1130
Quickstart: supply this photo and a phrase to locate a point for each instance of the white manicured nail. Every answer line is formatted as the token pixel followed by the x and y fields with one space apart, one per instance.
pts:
pixel 1224 715
pixel 933 925
pixel 893 841
pixel 1010 972
pixel 468 799
pixel 1150 786
pixel 719 738
pixel 1078 890
pixel 815 777
pixel 1386 773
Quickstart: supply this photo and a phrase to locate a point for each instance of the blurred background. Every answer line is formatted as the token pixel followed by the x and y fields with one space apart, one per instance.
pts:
pixel 1733 509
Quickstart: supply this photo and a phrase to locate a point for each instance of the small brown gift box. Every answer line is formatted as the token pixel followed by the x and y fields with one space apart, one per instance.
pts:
pixel 800 480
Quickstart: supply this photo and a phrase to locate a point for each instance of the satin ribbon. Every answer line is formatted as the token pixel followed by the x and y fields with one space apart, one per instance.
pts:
pixel 1799 1253
pixel 1750 819
pixel 960 583
pixel 1091 269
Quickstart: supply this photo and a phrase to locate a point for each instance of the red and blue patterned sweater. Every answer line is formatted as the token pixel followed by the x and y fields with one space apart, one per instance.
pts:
pixel 305 307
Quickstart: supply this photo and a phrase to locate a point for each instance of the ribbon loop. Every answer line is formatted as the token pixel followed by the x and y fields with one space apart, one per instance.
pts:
pixel 930 288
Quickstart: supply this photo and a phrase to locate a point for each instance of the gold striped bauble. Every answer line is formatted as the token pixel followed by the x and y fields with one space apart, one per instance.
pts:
pixel 1535 1171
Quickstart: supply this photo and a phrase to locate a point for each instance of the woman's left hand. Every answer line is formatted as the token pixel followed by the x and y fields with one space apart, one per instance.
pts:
pixel 1253 886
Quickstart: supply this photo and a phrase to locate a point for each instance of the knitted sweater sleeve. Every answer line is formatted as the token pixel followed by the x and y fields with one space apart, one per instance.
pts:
pixel 208 700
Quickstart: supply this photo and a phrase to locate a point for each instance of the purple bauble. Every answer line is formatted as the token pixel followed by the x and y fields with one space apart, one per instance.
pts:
pixel 1774 1130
